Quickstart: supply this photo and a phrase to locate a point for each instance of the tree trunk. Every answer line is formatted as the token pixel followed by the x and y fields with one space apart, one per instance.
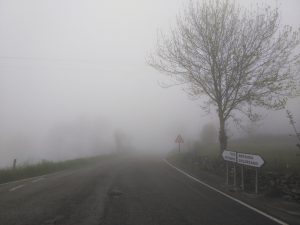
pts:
pixel 222 134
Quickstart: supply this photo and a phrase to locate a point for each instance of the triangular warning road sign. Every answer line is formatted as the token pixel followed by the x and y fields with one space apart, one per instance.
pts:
pixel 179 139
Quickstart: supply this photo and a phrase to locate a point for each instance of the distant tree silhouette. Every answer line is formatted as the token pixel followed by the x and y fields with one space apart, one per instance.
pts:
pixel 209 133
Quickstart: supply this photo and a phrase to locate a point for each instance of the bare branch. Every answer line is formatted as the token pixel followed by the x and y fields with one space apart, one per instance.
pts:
pixel 240 59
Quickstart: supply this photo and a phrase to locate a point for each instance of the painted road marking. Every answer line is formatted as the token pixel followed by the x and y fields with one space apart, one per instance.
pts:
pixel 17 187
pixel 22 180
pixel 228 196
pixel 31 178
pixel 37 180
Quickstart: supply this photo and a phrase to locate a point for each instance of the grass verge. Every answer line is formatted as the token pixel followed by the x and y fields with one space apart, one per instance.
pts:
pixel 45 167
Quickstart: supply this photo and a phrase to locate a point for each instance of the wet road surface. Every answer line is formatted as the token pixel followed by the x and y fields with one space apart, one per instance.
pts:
pixel 121 191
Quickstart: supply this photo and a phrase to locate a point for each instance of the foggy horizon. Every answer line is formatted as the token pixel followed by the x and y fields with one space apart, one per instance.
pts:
pixel 73 69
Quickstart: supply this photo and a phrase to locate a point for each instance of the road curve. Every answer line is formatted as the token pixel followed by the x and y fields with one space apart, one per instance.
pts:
pixel 121 191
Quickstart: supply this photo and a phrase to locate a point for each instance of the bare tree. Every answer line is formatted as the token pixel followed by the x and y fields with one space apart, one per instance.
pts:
pixel 236 58
pixel 293 123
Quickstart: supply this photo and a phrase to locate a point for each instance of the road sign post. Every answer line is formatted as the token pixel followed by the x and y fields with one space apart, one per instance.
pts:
pixel 234 175
pixel 250 160
pixel 256 180
pixel 179 140
pixel 242 159
pixel 253 161
pixel 242 178
pixel 230 156
pixel 227 177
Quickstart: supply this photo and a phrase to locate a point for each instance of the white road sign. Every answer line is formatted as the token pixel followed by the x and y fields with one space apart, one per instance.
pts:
pixel 229 156
pixel 249 160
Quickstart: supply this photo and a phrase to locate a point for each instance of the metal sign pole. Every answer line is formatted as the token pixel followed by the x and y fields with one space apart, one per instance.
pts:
pixel 242 177
pixel 242 159
pixel 256 181
pixel 179 140
pixel 234 178
pixel 227 175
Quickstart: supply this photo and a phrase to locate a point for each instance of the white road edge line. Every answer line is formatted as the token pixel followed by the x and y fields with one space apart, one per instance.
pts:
pixel 17 187
pixel 228 196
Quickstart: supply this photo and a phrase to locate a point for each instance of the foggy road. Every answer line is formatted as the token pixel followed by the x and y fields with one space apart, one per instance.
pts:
pixel 120 191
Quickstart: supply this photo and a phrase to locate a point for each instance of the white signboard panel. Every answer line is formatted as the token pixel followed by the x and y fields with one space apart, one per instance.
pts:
pixel 249 160
pixel 229 156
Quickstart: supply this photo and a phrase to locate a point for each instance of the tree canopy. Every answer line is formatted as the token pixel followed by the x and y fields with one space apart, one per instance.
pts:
pixel 237 58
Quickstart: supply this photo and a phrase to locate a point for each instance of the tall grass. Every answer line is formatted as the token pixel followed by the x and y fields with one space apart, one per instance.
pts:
pixel 280 154
pixel 45 167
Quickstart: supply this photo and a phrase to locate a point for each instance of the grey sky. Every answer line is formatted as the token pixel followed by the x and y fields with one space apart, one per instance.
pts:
pixel 70 60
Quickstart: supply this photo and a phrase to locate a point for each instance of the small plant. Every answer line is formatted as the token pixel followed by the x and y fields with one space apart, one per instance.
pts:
pixel 293 123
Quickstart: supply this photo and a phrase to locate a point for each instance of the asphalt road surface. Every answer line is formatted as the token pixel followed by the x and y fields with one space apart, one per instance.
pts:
pixel 126 191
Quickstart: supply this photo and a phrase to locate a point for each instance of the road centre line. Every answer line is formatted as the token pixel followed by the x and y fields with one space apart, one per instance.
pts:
pixel 17 187
pixel 31 178
pixel 22 180
pixel 37 180
pixel 226 195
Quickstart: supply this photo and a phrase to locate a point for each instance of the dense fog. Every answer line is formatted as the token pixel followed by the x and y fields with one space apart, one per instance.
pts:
pixel 74 80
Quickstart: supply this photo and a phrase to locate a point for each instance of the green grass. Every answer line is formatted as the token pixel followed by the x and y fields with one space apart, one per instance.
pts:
pixel 279 154
pixel 278 157
pixel 45 167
